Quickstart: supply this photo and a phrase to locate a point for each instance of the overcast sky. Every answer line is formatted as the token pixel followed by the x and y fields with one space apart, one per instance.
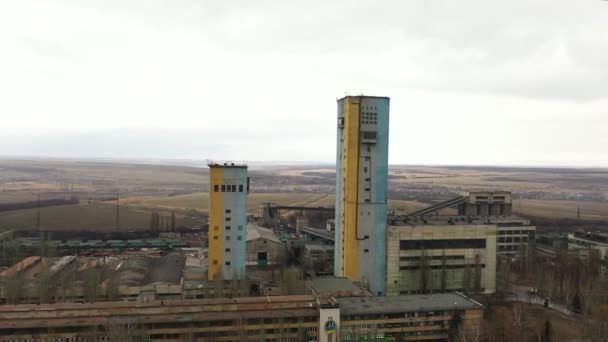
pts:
pixel 519 82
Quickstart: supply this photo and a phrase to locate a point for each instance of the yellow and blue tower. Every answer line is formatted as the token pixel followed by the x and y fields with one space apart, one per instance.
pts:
pixel 228 188
pixel 361 190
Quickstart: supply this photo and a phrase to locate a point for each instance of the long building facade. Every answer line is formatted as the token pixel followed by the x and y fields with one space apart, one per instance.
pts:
pixel 361 190
pixel 228 187
pixel 268 318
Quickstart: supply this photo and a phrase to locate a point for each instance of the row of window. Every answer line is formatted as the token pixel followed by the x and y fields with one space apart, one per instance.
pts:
pixel 442 244
pixel 513 232
pixel 512 239
pixel 216 237
pixel 511 248
pixel 216 228
pixel 228 188
pixel 434 257
pixel 441 267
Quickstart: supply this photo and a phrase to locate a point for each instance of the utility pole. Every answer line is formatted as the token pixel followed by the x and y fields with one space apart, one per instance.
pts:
pixel 38 213
pixel 117 211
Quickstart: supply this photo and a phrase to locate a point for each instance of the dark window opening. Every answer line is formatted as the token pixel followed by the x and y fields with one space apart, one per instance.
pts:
pixel 223 188
pixel 227 211
pixel 227 227
pixel 262 255
pixel 442 244
pixel 366 250
pixel 227 263
pixel 228 219
pixel 240 187
pixel 216 188
pixel 227 250
pixel 233 187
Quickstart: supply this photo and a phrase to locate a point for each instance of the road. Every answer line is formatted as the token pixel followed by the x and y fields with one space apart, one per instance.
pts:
pixel 522 294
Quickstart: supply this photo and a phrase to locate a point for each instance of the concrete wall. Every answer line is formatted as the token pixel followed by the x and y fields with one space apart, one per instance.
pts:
pixel 227 221
pixel 276 251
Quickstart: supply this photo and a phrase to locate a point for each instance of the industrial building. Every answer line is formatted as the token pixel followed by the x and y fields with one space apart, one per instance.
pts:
pixel 361 190
pixel 588 239
pixel 407 318
pixel 437 256
pixel 264 248
pixel 516 236
pixel 228 187
pixel 269 318
pixel 318 259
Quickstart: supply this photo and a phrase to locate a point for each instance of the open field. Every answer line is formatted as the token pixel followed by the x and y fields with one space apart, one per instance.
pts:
pixel 200 201
pixel 594 211
pixel 539 192
pixel 79 217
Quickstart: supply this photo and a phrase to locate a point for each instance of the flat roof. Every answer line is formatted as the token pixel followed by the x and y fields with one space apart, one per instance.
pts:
pixel 333 284
pixel 458 220
pixel 405 303
pixel 237 166
pixel 368 96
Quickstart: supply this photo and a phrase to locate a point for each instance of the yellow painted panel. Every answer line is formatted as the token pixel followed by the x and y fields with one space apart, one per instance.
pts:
pixel 215 222
pixel 350 198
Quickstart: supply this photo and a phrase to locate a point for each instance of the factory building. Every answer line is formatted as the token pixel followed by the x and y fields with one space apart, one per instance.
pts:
pixel 268 318
pixel 437 256
pixel 228 187
pixel 361 190
pixel 516 236
pixel 594 240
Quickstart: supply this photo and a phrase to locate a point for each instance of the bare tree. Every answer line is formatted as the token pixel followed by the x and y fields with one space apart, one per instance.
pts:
pixel 444 279
pixel 477 280
pixel 92 279
pixel 424 272
pixel 13 288
pixel 44 287
pixel 125 331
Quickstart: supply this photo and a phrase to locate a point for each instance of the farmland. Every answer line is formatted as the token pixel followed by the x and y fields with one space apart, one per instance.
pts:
pixel 554 193
pixel 81 217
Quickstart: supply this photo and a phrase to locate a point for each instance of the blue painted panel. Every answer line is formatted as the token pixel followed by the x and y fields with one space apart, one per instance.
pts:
pixel 338 211
pixel 378 283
